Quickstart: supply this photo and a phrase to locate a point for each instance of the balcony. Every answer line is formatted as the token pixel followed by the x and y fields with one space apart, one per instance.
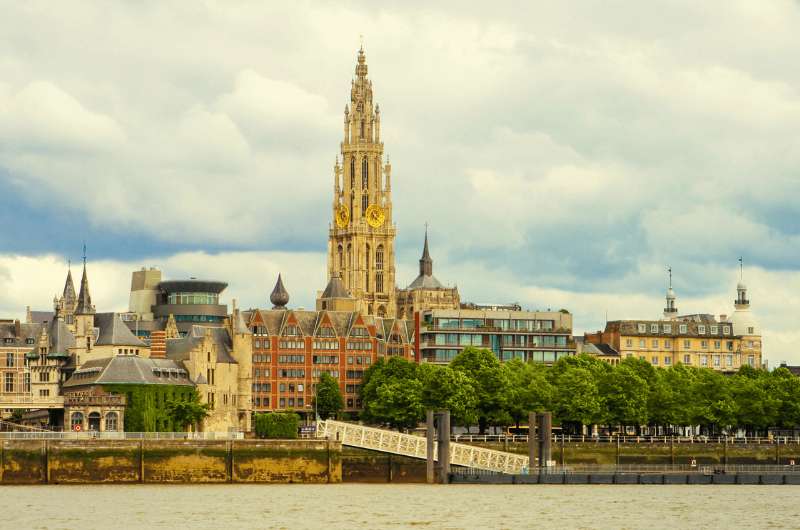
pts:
pixel 94 401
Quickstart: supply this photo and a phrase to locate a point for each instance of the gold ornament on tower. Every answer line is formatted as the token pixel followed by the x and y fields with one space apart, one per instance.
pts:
pixel 375 216
pixel 342 216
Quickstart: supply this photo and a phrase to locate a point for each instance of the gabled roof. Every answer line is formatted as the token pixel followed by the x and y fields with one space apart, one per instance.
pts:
pixel 179 349
pixel 112 331
pixel 129 369
pixel 426 282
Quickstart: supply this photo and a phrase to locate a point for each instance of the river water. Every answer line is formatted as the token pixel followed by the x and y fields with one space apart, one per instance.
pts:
pixel 397 506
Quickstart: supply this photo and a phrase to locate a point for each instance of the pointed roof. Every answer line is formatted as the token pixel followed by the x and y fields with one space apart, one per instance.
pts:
pixel 69 291
pixel 426 279
pixel 114 332
pixel 335 288
pixel 279 296
pixel 85 306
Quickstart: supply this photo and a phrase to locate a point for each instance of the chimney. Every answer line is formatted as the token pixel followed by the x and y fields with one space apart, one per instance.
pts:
pixel 17 328
pixel 158 345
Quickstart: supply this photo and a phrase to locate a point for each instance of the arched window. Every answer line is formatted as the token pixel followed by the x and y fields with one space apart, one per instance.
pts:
pixel 341 257
pixel 75 420
pixel 381 311
pixel 349 253
pixel 364 204
pixel 366 266
pixel 352 172
pixel 364 174
pixel 379 268
pixel 112 421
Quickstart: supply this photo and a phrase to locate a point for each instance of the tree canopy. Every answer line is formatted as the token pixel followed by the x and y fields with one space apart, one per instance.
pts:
pixel 328 400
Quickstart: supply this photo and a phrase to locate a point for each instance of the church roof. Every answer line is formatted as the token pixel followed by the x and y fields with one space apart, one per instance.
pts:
pixel 426 282
pixel 335 289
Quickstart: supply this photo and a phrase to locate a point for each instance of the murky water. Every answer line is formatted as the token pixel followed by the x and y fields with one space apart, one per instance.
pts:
pixel 398 506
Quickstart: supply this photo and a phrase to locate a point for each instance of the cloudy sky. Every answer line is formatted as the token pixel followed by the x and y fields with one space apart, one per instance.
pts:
pixel 564 153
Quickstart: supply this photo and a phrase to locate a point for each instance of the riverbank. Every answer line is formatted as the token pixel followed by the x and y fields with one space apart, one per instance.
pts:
pixel 169 461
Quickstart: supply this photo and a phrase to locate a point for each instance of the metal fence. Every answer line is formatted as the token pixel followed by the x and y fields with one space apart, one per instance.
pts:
pixel 641 469
pixel 567 438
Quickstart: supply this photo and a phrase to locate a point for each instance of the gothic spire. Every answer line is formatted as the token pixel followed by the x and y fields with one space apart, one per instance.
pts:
pixel 69 292
pixel 426 263
pixel 279 296
pixel 85 306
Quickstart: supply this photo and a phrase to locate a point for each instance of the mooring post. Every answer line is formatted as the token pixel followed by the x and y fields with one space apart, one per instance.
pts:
pixel 430 431
pixel 444 454
pixel 328 450
pixel 618 450
pixel 531 441
pixel 546 440
pixel 46 461
pixel 725 452
pixel 141 460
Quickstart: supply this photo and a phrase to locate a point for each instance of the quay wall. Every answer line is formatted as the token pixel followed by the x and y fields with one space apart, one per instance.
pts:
pixel 169 461
pixel 662 453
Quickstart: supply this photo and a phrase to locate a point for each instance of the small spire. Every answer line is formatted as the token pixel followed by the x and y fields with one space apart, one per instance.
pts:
pixel 426 263
pixel 84 306
pixel 669 269
pixel 741 269
pixel 279 296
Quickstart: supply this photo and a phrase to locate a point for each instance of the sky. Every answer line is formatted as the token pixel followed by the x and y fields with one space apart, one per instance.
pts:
pixel 564 153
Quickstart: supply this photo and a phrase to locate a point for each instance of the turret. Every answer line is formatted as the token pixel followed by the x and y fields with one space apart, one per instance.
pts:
pixel 279 296
pixel 670 311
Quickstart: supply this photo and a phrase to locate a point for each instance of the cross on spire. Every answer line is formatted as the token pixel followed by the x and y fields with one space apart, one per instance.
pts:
pixel 669 269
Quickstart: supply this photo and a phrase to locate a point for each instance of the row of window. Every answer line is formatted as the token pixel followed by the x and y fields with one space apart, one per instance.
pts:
pixel 10 340
pixel 262 387
pixel 317 345
pixel 687 344
pixel 704 360
pixel 683 328
pixel 295 359
pixel 500 323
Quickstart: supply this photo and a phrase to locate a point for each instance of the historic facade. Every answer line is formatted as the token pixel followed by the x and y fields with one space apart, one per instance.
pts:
pixel 724 344
pixel 426 292
pixel 362 232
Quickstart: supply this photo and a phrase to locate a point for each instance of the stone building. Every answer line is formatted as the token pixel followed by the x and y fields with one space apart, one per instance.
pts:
pixel 362 232
pixel 724 344
pixel 426 292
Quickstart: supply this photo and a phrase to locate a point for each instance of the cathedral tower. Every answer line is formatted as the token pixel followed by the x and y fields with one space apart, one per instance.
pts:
pixel 361 238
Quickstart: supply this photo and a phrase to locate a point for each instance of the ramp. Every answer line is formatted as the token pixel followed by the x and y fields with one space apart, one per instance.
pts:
pixel 414 446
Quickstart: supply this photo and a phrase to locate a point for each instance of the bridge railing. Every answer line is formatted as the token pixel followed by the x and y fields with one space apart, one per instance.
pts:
pixel 567 438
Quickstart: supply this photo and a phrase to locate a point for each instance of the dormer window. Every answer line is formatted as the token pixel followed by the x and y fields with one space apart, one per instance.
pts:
pixel 653 328
pixel 667 328
pixel 683 328
pixel 714 330
pixel 751 331
pixel 642 328
pixel 29 340
pixel 291 331
pixel 726 330
pixel 701 330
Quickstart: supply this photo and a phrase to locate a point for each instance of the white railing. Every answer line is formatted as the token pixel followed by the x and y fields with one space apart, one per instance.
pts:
pixel 115 435
pixel 415 446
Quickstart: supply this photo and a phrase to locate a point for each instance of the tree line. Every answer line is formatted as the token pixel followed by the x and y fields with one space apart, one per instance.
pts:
pixel 580 391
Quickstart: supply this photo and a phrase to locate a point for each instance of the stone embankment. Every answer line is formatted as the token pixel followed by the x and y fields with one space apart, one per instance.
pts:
pixel 169 461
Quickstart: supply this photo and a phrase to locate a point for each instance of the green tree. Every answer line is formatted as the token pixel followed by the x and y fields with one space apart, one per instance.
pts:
pixel 187 412
pixel 529 389
pixel 713 403
pixel 625 394
pixel 491 385
pixel 328 400
pixel 445 388
pixel 277 425
pixel 391 392
pixel 577 399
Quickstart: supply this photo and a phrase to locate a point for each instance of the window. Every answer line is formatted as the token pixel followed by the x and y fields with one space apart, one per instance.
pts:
pixel 8 384
pixel 379 268
pixel 716 361
pixel 668 344
pixel 751 331
pixel 714 330
pixel 682 328
pixel 44 377
pixel 352 172
pixel 687 344
pixel 654 360
pixel 642 328
pixel 26 382
pixel 729 360
pixel 687 359
pixel 111 421
pixel 729 345
pixel 653 328
pixel 10 360
pixel 667 328
pixel 717 344
pixel 364 173
pixel 751 360
pixel 726 330
pixel 704 344
pixel 655 344
pixel 629 343
pixel 701 330
pixel 364 203
pixel 45 392
pixel 282 402
pixel 667 361
pixel 76 420
pixel 642 343
pixel 703 360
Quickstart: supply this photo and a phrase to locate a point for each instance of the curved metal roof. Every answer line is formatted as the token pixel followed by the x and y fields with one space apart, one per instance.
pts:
pixel 192 286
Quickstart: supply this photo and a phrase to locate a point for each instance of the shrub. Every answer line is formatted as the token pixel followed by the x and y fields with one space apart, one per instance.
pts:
pixel 277 425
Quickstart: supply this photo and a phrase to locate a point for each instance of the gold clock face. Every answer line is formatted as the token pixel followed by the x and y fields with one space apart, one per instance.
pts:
pixel 375 216
pixel 342 216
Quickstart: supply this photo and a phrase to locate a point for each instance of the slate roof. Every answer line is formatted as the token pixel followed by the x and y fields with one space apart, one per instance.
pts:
pixel 129 369
pixel 37 317
pixel 112 331
pixel 335 289
pixel 179 349
pixel 426 282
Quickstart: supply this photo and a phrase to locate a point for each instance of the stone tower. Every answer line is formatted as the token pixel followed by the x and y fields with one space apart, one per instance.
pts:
pixel 361 238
